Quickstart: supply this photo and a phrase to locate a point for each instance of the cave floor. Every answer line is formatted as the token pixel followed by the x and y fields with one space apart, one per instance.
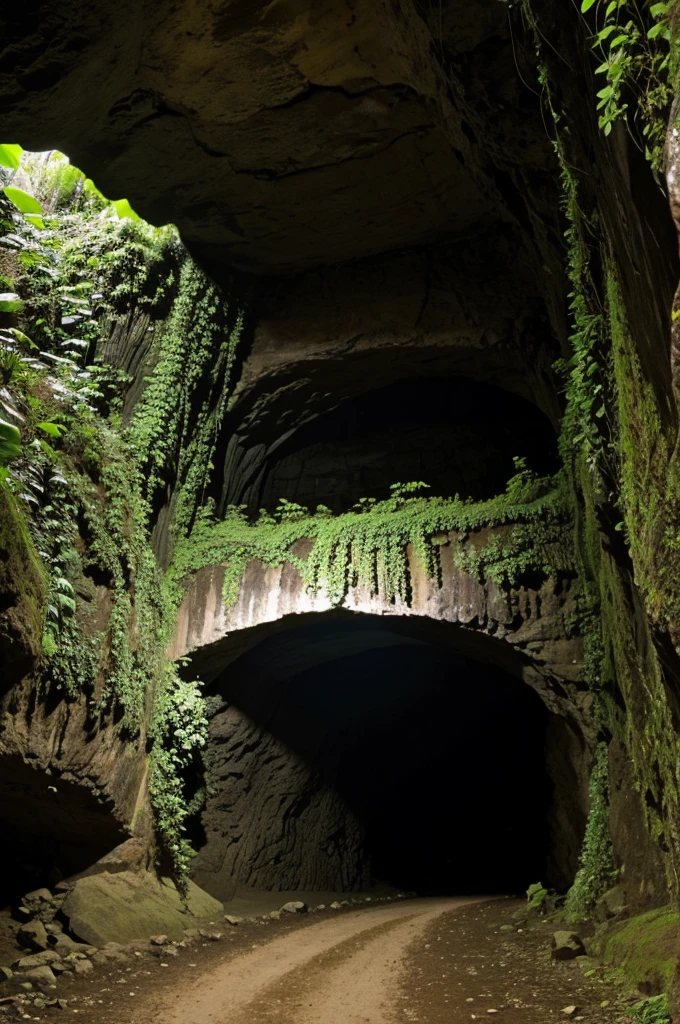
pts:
pixel 433 961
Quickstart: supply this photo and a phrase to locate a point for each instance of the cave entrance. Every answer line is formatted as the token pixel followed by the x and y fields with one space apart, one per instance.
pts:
pixel 52 828
pixel 343 755
pixel 419 428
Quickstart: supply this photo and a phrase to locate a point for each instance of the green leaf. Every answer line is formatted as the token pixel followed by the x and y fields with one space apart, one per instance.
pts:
pixel 9 451
pixel 10 156
pixel 35 219
pixel 123 209
pixel 53 429
pixel 10 303
pixel 24 202
pixel 66 602
pixel 586 5
pixel 606 31
pixel 9 433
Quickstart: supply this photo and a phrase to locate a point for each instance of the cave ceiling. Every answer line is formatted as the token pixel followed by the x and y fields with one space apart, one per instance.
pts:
pixel 282 135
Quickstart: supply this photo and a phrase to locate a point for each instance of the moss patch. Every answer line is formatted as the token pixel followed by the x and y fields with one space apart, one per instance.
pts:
pixel 645 950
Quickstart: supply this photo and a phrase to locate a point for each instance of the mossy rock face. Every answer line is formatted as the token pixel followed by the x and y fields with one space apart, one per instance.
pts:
pixel 23 590
pixel 645 949
pixel 133 905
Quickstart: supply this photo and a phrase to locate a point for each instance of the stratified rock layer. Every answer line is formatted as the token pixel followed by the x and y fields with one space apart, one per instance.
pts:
pixel 270 820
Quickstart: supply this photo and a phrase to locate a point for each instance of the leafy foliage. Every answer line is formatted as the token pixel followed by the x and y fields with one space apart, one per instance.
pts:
pixel 638 63
pixel 177 421
pixel 76 479
pixel 653 1010
pixel 537 895
pixel 179 731
pixel 597 872
pixel 368 546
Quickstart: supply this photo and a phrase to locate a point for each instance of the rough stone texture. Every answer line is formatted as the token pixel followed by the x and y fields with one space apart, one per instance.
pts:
pixel 329 335
pixel 71 791
pixel 40 976
pixel 72 785
pixel 129 905
pixel 292 122
pixel 568 764
pixel 132 855
pixel 270 820
pixel 566 946
pixel 417 429
pixel 59 824
pixel 643 879
pixel 33 935
pixel 524 631
pixel 284 135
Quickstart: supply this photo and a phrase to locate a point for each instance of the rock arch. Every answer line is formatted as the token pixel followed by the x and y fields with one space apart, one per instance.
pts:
pixel 526 630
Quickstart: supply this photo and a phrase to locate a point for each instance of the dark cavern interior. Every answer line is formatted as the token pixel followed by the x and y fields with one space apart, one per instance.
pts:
pixel 339 518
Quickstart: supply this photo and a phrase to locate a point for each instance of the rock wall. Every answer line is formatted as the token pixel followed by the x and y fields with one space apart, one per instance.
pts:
pixel 270 821
pixel 386 171
pixel 523 630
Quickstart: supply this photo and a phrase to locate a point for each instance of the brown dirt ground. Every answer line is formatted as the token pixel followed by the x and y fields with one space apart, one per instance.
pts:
pixel 457 969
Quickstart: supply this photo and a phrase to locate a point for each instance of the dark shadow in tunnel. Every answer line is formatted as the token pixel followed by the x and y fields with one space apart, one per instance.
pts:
pixel 441 758
pixel 51 829
pixel 416 429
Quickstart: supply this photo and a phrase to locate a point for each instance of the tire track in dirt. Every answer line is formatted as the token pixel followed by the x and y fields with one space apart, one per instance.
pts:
pixel 340 970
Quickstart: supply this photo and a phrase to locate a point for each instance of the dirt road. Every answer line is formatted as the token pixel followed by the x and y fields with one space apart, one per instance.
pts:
pixel 344 969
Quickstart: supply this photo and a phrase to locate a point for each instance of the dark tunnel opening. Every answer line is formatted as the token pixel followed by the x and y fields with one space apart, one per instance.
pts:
pixel 403 763
pixel 53 828
pixel 422 428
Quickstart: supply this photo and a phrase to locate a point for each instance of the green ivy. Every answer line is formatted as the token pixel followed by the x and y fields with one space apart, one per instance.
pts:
pixel 369 545
pixel 178 732
pixel 597 872
pixel 177 421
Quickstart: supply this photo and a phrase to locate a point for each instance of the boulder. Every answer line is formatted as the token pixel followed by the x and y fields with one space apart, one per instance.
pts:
pixel 61 967
pixel 40 975
pixel 47 956
pixel 294 907
pixel 566 946
pixel 33 935
pixel 612 904
pixel 132 905
pixel 132 855
pixel 64 944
